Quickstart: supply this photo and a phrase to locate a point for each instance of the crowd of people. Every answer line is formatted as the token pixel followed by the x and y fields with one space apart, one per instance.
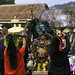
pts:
pixel 46 54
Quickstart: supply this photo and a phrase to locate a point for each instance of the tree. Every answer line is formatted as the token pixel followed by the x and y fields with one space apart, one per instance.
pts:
pixel 7 2
pixel 66 7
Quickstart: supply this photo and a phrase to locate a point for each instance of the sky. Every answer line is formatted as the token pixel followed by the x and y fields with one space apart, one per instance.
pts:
pixel 48 2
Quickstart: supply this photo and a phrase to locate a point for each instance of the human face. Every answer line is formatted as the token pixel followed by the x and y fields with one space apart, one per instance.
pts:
pixel 4 30
pixel 43 37
pixel 20 42
pixel 20 39
pixel 0 33
pixel 70 30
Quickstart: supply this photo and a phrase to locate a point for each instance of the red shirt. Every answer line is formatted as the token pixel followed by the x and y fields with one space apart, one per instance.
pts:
pixel 20 70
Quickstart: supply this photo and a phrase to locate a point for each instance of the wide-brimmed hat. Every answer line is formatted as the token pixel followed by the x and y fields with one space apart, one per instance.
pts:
pixel 6 25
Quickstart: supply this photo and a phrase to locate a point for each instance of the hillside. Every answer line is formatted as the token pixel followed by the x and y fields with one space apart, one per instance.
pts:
pixel 70 5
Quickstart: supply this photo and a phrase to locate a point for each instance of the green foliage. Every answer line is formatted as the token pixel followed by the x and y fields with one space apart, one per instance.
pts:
pixel 14 38
pixel 66 7
pixel 7 2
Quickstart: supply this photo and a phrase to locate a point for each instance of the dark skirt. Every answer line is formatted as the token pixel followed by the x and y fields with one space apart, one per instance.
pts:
pixel 2 67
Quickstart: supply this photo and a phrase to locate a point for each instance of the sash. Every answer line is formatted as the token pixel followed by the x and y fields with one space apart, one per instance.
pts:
pixel 60 44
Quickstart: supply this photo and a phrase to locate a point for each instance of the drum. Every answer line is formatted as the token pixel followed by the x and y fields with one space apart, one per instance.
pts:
pixel 40 73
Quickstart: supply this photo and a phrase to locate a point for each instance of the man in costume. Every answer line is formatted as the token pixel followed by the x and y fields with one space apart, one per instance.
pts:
pixel 40 52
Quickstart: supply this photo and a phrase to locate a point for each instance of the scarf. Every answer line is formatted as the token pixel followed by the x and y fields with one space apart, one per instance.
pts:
pixel 60 43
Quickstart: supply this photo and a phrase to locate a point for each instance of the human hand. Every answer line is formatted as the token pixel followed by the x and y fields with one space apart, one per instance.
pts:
pixel 23 32
pixel 71 48
pixel 46 63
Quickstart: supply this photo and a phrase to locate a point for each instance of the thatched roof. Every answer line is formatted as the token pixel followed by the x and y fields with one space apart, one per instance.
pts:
pixel 59 18
pixel 21 11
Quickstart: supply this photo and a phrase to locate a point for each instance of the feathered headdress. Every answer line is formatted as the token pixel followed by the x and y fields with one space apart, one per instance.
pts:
pixel 14 37
pixel 42 27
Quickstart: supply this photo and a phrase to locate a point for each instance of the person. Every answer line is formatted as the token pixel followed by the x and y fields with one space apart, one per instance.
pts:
pixel 73 46
pixel 63 38
pixel 13 57
pixel 4 33
pixel 26 50
pixel 0 33
pixel 40 52
pixel 58 54
pixel 71 37
pixel 5 28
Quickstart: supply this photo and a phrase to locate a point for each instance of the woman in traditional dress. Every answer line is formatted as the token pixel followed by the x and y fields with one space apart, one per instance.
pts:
pixel 13 57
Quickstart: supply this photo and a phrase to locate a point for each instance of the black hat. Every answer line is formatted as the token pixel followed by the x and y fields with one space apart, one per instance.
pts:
pixel 6 25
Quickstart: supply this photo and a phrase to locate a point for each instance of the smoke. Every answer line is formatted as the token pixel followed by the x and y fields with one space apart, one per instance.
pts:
pixel 56 18
pixel 62 18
